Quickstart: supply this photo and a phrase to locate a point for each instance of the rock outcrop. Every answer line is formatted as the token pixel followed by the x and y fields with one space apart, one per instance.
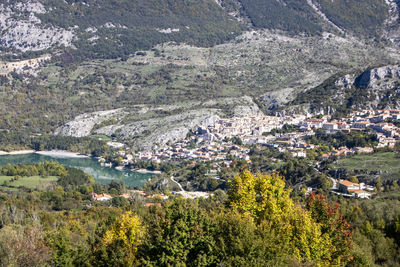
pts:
pixel 83 124
pixel 373 88
pixel 22 29
pixel 160 129
pixel 378 78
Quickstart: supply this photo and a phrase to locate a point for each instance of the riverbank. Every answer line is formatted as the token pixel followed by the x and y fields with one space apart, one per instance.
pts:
pixel 61 154
pixel 18 152
pixel 90 165
pixel 68 154
pixel 51 153
pixel 146 171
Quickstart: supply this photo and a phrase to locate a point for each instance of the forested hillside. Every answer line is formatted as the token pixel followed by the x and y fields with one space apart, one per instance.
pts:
pixel 293 16
pixel 364 17
pixel 116 28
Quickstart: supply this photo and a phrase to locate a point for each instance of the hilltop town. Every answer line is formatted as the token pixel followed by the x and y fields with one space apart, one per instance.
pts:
pixel 231 138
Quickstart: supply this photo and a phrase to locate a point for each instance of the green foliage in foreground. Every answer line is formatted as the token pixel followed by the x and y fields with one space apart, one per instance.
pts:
pixel 258 225
pixel 182 232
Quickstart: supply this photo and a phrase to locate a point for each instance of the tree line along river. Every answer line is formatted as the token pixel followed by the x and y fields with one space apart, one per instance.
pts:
pixel 89 165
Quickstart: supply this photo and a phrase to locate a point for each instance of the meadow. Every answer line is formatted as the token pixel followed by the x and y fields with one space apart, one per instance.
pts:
pixel 31 182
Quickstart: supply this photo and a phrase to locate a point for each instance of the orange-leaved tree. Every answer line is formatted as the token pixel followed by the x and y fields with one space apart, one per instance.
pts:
pixel 333 225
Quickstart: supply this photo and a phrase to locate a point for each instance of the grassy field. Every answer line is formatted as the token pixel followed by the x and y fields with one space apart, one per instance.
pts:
pixel 29 182
pixel 385 162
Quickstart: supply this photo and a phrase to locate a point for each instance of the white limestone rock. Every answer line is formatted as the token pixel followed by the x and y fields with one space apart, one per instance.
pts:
pixel 83 124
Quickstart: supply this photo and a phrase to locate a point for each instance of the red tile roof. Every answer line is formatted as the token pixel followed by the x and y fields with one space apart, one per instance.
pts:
pixel 347 183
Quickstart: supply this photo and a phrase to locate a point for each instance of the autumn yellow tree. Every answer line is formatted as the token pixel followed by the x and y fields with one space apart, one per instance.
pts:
pixel 126 235
pixel 265 199
pixel 260 196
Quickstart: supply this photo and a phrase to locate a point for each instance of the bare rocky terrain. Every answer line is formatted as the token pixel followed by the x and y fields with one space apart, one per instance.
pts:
pixel 22 29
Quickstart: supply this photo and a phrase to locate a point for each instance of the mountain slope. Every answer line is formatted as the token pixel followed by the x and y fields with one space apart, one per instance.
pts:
pixel 114 28
pixel 362 17
pixel 269 67
pixel 375 88
pixel 292 16
pixel 84 57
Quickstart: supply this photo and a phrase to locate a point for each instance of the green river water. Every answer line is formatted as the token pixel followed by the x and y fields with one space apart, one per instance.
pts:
pixel 101 174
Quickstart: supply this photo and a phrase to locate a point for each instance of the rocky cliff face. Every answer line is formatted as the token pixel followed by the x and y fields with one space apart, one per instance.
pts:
pixel 378 78
pixel 372 88
pixel 380 86
pixel 391 29
pixel 83 124
pixel 146 134
pixel 21 28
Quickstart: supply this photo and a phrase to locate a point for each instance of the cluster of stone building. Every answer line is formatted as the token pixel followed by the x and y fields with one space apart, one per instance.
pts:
pixel 197 148
pixel 212 142
pixel 388 134
pixel 216 142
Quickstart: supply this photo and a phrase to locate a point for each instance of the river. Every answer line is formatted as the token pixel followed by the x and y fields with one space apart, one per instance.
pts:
pixel 91 166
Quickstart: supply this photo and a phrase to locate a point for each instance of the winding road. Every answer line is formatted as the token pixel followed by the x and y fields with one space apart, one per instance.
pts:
pixel 172 178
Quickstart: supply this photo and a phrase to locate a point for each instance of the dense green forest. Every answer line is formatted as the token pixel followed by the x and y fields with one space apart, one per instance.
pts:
pixel 293 17
pixel 125 26
pixel 258 222
pixel 363 17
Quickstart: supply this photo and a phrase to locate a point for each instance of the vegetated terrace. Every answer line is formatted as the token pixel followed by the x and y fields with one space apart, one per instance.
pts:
pixel 385 164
